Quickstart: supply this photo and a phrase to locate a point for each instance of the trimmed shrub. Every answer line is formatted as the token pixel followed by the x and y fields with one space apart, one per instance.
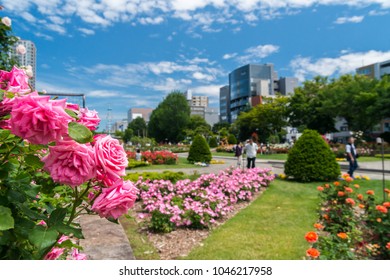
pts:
pixel 199 150
pixel 165 175
pixel 232 139
pixel 311 159
pixel 213 142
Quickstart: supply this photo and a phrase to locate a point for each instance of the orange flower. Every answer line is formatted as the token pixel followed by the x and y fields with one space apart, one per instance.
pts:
pixel 349 179
pixel 313 253
pixel 342 235
pixel 337 183
pixel 326 186
pixel 356 186
pixel 348 190
pixel 340 193
pixel 326 217
pixel 320 188
pixel 361 206
pixel 388 245
pixel 350 201
pixel 318 226
pixel 379 220
pixel 345 175
pixel 311 237
pixel 386 204
pixel 387 191
pixel 381 208
pixel 360 196
pixel 370 192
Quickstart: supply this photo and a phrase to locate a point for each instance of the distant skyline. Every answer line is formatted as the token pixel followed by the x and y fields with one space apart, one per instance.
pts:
pixel 131 53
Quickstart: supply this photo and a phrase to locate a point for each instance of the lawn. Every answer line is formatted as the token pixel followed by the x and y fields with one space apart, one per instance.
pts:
pixel 270 228
pixel 182 163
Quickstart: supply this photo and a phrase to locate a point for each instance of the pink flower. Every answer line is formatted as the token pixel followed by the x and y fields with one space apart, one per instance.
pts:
pixel 116 200
pixel 62 239
pixel 70 163
pixel 89 118
pixel 110 158
pixel 39 119
pixel 20 49
pixel 15 81
pixel 54 253
pixel 78 256
pixel 6 21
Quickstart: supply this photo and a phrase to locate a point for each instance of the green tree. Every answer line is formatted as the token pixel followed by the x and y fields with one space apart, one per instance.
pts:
pixel 213 143
pixel 198 125
pixel 264 119
pixel 219 125
pixel 382 105
pixel 306 107
pixel 199 150
pixel 7 46
pixel 127 135
pixel 311 159
pixel 139 127
pixel 170 118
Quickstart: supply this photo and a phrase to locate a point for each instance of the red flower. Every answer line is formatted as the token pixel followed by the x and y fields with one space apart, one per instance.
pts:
pixel 388 245
pixel 340 193
pixel 360 196
pixel 370 192
pixel 311 237
pixel 320 188
pixel 350 201
pixel 318 226
pixel 386 204
pixel 349 190
pixel 336 183
pixel 381 208
pixel 313 253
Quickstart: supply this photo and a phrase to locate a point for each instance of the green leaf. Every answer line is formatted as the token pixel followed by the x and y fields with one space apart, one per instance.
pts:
pixel 30 213
pixel 34 161
pixel 79 133
pixel 57 217
pixel 6 219
pixel 42 237
pixel 71 113
pixel 15 196
pixel 4 134
pixel 67 230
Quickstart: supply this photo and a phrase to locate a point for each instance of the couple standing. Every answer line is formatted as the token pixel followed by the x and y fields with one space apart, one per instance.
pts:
pixel 251 151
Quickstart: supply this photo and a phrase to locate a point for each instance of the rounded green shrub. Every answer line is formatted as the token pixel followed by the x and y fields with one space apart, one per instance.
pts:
pixel 199 150
pixel 213 142
pixel 311 159
pixel 232 139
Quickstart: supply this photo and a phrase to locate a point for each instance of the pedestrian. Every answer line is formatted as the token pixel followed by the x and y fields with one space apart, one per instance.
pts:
pixel 251 152
pixel 238 154
pixel 138 155
pixel 351 155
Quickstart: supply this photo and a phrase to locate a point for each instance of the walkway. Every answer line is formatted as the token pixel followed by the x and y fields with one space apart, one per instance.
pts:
pixel 105 240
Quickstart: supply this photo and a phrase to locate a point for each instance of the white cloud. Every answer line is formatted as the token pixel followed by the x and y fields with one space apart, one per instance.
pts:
pixel 209 90
pixel 87 31
pixel 150 20
pixel 354 19
pixel 202 76
pixel 254 54
pixel 304 67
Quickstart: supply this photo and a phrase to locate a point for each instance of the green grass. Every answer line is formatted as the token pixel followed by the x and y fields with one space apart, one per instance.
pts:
pixel 259 156
pixel 182 163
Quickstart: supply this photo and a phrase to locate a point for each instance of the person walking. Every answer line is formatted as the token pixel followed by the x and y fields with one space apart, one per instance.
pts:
pixel 351 156
pixel 251 152
pixel 238 154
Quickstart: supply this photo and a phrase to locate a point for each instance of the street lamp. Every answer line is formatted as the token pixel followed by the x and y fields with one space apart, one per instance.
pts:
pixel 380 141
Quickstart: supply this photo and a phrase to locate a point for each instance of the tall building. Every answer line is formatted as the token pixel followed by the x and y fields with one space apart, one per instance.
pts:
pixel 134 113
pixel 248 84
pixel 28 59
pixel 376 70
pixel 199 105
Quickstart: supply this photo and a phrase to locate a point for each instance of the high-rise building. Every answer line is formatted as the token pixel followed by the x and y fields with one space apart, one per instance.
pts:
pixel 134 113
pixel 248 84
pixel 376 70
pixel 28 59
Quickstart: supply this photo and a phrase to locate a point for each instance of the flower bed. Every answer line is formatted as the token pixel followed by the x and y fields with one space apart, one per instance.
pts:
pixel 156 157
pixel 351 226
pixel 200 203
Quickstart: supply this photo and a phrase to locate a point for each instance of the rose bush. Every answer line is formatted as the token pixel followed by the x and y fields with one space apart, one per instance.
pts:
pixel 52 169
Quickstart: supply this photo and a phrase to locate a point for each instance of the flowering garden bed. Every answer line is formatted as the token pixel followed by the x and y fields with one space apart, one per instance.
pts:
pixel 352 225
pixel 156 157
pixel 198 204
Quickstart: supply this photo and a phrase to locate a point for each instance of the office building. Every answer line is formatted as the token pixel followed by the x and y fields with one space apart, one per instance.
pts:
pixel 376 70
pixel 134 113
pixel 224 104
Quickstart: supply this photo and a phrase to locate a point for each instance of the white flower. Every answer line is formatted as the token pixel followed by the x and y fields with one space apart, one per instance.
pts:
pixel 6 21
pixel 29 71
pixel 20 49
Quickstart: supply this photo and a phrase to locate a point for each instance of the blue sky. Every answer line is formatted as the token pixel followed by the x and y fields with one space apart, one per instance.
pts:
pixel 132 53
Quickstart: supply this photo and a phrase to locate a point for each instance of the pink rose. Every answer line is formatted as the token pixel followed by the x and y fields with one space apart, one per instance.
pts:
pixel 78 256
pixel 39 119
pixel 89 118
pixel 70 163
pixel 14 81
pixel 6 106
pixel 54 253
pixel 116 200
pixel 110 158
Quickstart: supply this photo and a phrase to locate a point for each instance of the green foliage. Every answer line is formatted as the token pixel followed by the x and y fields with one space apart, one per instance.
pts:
pixel 134 164
pixel 160 222
pixel 127 135
pixel 79 133
pixel 386 136
pixel 170 118
pixel 199 150
pixel 232 139
pixel 213 142
pixel 219 125
pixel 7 45
pixel 310 159
pixel 138 126
pixel 166 176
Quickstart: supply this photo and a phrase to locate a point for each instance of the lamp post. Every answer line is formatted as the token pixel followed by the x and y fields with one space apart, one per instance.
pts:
pixel 380 141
